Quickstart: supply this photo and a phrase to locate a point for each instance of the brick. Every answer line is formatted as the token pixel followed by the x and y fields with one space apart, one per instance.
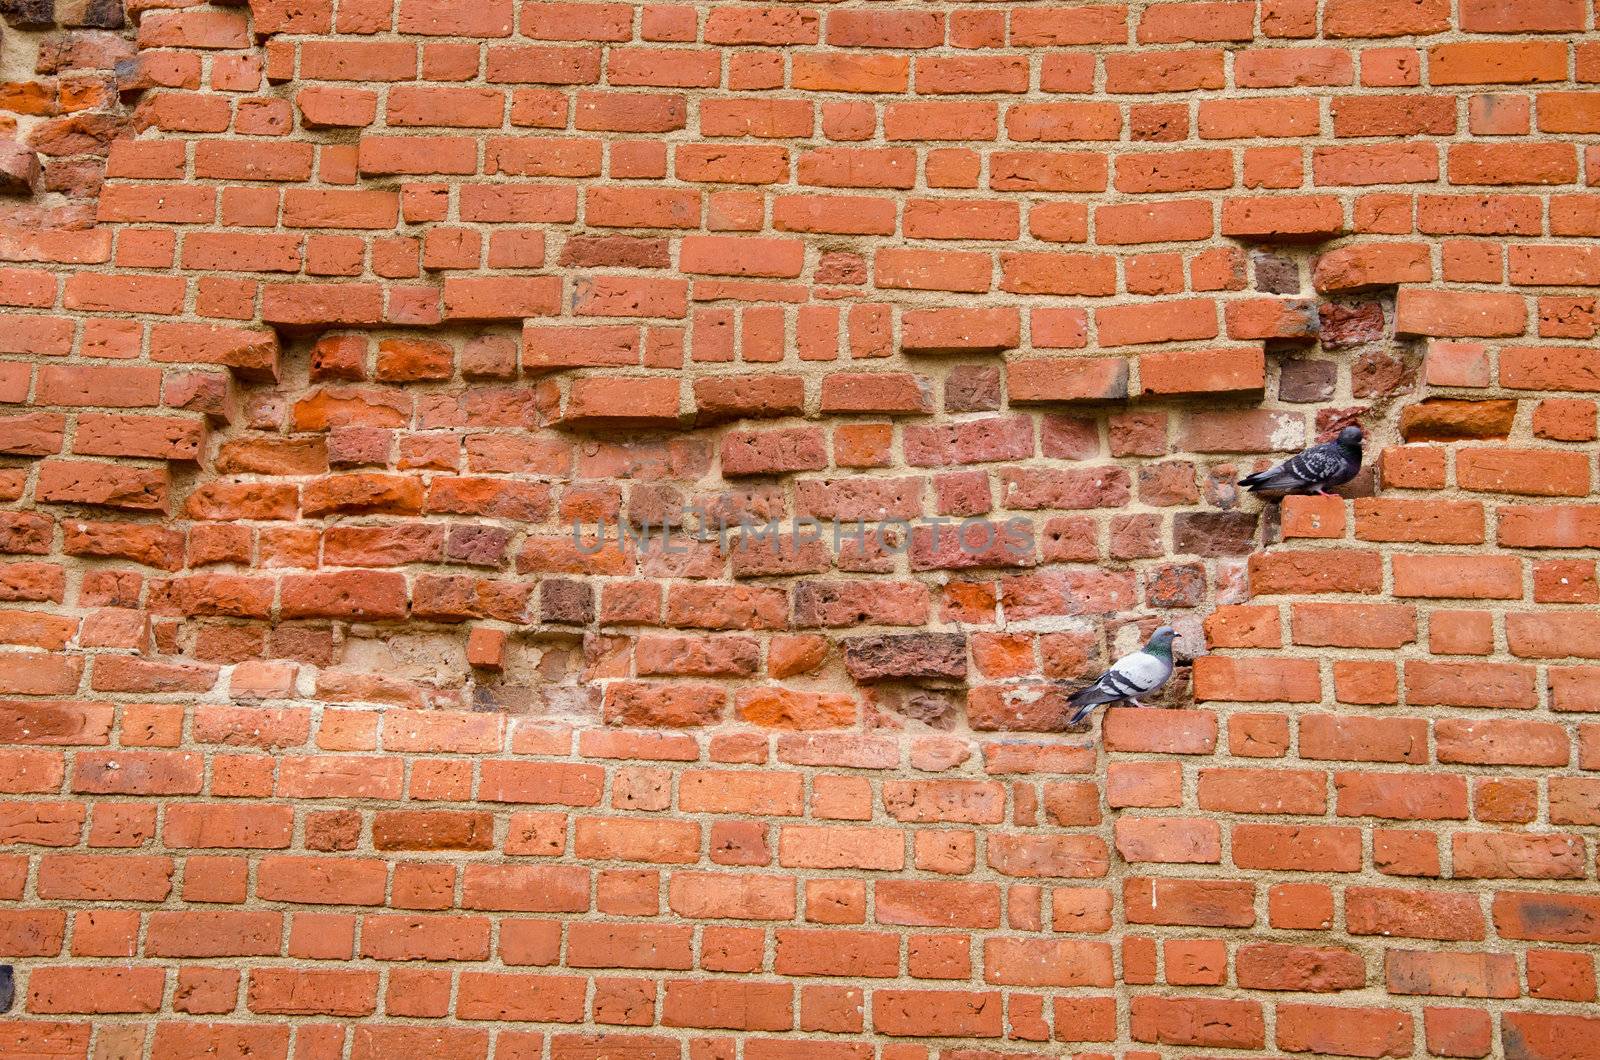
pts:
pixel 1411 797
pixel 1238 369
pixel 511 996
pixel 937 904
pixel 1198 1021
pixel 1452 314
pixel 762 794
pixel 729 1005
pixel 343 546
pixel 1272 966
pixel 847 953
pixel 1063 379
pixel 674 842
pixel 321 880
pixel 1377 164
pixel 1063 962
pixel 959 331
pixel 1533 1034
pixel 1499 856
pixel 629 947
pixel 1413 914
pixel 1450 975
pixel 63 989
pixel 1261 791
pixel 743 897
pixel 1168 840
pixel 1490 164
pixel 971 1014
pixel 1569 919
pixel 101 877
pixel 863 848
pixel 1286 680
pixel 1296 848
pixel 1346 1030
pixel 1357 267
pixel 1471 684
pixel 1544 636
pixel 1486 16
pixel 1475 63
pixel 1210 903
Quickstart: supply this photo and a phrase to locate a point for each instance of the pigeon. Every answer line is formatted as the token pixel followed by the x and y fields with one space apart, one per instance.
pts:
pixel 1314 470
pixel 1130 677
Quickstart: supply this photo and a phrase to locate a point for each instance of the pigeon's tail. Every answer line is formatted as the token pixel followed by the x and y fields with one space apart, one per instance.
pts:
pixel 1081 714
pixel 1086 699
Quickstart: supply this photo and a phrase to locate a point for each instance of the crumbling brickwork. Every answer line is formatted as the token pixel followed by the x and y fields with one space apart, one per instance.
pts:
pixel 327 321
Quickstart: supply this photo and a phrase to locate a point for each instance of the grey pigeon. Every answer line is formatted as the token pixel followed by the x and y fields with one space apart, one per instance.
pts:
pixel 1130 677
pixel 1314 470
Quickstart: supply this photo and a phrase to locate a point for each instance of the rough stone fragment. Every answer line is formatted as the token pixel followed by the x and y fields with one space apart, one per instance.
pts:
pixel 1380 373
pixel 1443 420
pixel 1275 273
pixel 1345 325
pixel 565 601
pixel 972 388
pixel 19 168
pixel 90 14
pixel 1214 533
pixel 29 14
pixel 906 656
pixel 1306 381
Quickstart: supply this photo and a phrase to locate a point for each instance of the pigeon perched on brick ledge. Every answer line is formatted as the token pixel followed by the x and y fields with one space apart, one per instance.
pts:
pixel 1130 677
pixel 1314 470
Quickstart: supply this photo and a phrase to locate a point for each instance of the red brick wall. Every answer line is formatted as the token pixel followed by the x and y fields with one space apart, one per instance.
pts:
pixel 325 321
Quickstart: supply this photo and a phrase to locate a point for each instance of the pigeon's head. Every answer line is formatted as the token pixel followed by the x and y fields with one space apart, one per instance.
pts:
pixel 1161 639
pixel 1350 437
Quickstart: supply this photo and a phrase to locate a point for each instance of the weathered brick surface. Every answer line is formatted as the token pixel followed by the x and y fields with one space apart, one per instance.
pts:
pixel 323 322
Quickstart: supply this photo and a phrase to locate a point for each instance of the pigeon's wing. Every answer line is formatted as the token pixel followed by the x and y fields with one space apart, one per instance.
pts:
pixel 1275 478
pixel 1321 464
pixel 1140 672
pixel 1130 676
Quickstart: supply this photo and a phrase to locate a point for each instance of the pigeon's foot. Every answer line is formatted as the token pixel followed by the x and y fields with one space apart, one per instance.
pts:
pixel 1135 703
